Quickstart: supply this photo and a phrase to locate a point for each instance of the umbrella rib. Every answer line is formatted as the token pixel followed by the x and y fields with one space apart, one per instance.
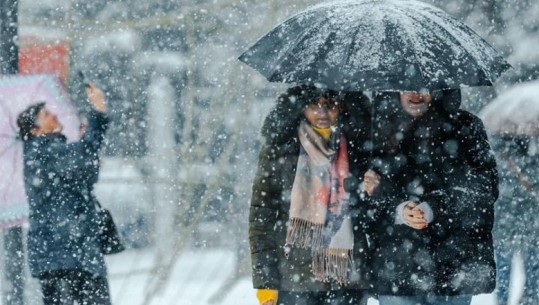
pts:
pixel 413 50
pixel 284 53
pixel 451 34
pixel 349 52
pixel 275 71
pixel 473 57
pixel 292 45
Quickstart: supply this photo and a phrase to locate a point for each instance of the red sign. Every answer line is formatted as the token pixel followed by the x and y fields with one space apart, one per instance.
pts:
pixel 44 58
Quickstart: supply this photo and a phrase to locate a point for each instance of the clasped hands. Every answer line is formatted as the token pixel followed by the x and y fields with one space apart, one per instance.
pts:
pixel 412 215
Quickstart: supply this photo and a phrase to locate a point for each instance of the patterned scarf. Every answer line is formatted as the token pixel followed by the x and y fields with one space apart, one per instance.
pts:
pixel 319 208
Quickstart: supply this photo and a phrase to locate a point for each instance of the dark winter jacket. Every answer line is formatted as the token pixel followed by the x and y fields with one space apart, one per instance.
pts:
pixel 270 204
pixel 58 176
pixel 517 225
pixel 443 159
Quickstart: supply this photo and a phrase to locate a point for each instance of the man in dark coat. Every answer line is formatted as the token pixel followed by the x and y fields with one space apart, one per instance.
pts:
pixel 276 266
pixel 63 239
pixel 434 203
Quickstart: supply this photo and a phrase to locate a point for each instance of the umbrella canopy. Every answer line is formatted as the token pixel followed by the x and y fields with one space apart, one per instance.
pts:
pixel 515 112
pixel 375 45
pixel 16 94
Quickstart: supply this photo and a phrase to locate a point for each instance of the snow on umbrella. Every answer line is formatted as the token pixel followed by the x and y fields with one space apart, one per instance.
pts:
pixel 16 94
pixel 514 112
pixel 375 45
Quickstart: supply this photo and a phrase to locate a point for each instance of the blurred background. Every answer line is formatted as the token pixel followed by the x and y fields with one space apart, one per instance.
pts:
pixel 182 149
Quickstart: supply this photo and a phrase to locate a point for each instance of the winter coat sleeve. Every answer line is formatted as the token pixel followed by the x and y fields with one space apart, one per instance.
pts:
pixel 73 161
pixel 262 220
pixel 467 200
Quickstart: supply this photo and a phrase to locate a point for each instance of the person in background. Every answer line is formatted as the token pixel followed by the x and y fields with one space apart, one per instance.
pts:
pixel 433 184
pixel 516 226
pixel 63 239
pixel 305 249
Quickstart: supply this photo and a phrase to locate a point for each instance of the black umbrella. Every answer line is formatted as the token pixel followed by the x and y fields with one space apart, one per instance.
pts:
pixel 375 45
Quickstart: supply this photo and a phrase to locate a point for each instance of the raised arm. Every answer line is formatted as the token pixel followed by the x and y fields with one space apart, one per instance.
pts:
pixel 73 161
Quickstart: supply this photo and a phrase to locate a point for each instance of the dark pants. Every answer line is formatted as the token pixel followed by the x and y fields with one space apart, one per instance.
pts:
pixel 425 300
pixel 65 287
pixel 335 297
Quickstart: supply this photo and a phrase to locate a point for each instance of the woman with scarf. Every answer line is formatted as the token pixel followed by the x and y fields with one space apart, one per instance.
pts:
pixel 305 249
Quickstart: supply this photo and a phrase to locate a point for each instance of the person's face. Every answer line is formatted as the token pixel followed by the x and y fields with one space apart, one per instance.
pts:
pixel 48 122
pixel 415 103
pixel 323 113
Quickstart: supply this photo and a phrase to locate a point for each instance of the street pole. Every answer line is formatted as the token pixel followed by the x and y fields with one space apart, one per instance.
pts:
pixel 9 49
pixel 14 278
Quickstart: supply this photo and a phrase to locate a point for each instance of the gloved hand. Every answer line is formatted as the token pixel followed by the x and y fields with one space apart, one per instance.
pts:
pixel 267 296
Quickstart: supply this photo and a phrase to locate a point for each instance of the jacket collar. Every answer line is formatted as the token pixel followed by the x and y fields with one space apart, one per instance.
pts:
pixel 50 137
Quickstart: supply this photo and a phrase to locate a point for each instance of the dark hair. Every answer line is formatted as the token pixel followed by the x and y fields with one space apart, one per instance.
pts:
pixel 283 120
pixel 27 121
pixel 303 95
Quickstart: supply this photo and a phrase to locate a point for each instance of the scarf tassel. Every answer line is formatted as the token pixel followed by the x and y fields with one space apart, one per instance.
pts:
pixel 328 264
pixel 332 264
pixel 304 234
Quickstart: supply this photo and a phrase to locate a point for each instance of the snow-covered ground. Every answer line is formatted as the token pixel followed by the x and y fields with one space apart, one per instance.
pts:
pixel 196 277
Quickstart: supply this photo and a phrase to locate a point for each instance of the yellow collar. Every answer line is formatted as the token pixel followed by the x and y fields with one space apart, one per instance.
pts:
pixel 324 132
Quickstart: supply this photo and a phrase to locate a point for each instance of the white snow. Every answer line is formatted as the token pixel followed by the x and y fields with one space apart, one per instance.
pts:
pixel 197 277
pixel 121 40
pixel 199 274
pixel 166 62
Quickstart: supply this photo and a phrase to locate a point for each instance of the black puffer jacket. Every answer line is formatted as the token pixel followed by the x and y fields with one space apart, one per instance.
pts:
pixel 444 159
pixel 270 202
pixel 63 233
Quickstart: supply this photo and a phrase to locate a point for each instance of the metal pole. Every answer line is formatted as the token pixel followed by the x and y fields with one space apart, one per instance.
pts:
pixel 13 237
pixel 9 49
